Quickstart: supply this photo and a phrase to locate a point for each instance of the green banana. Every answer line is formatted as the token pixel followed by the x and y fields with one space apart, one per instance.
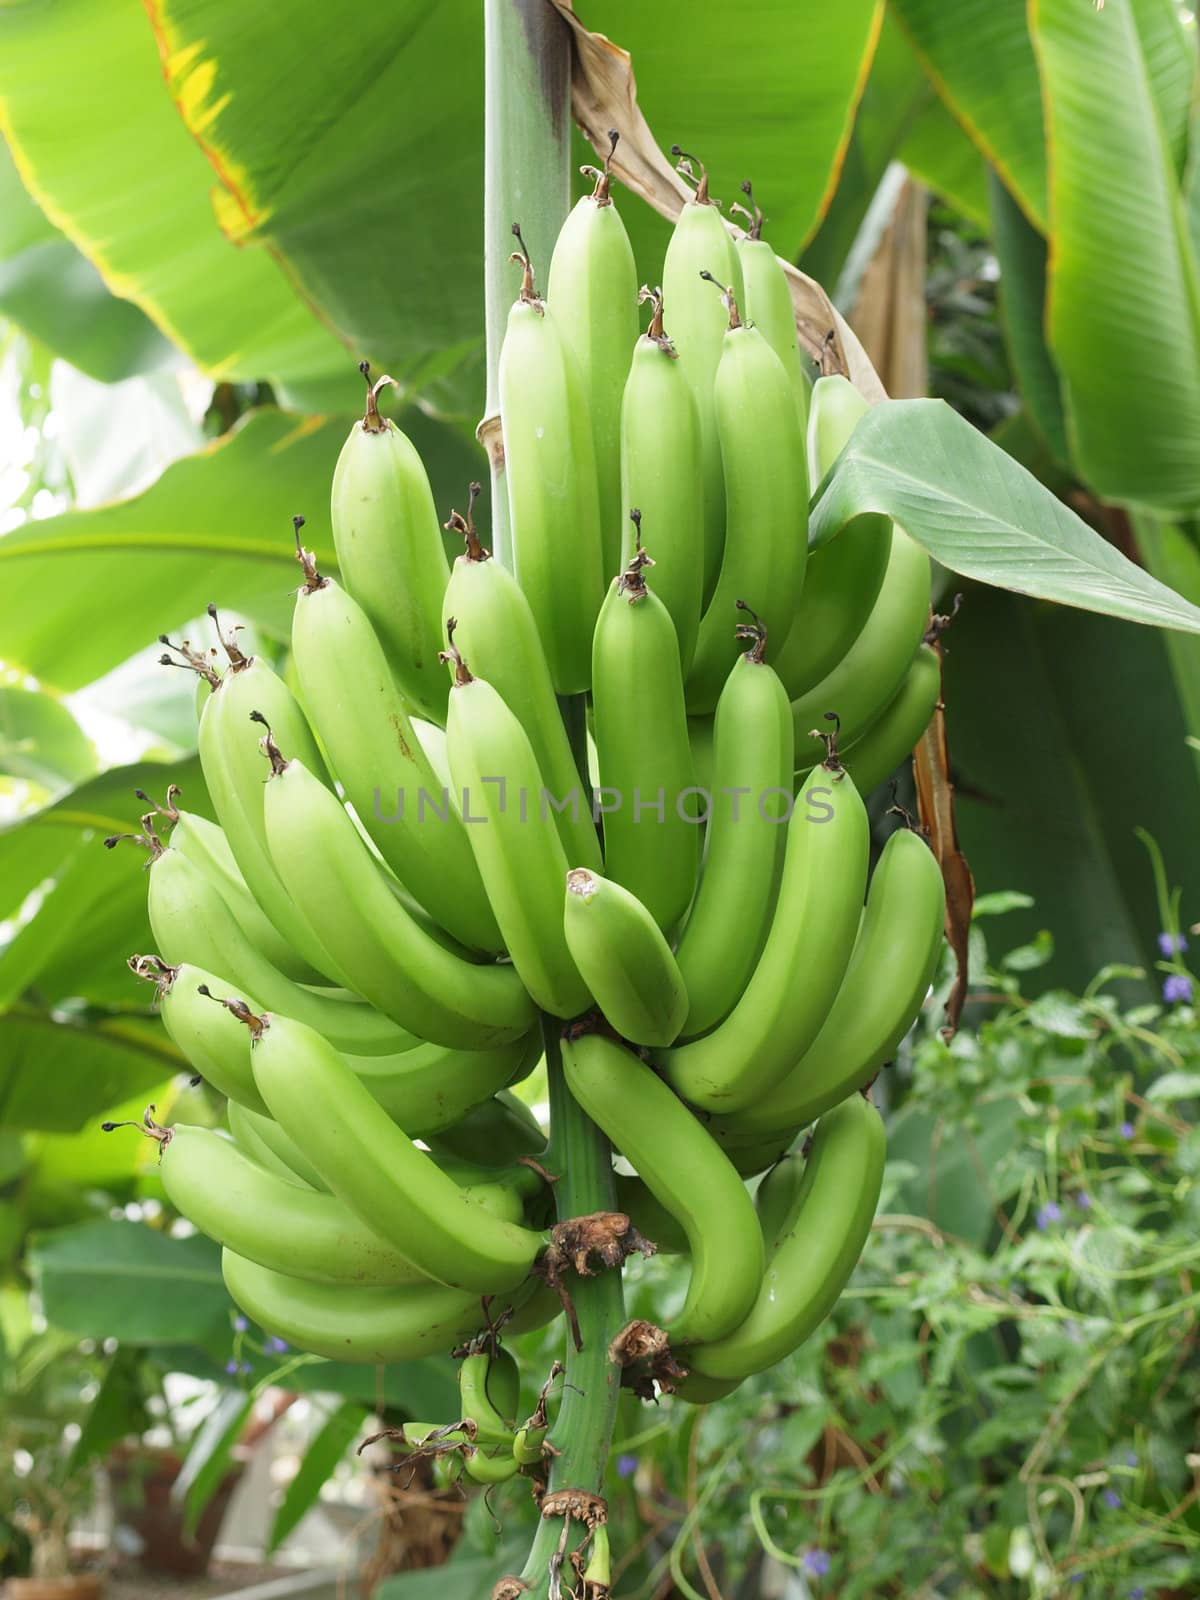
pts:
pixel 361 717
pixel 812 1263
pixel 550 471
pixel 351 1324
pixel 213 1041
pixel 768 303
pixel 661 474
pixel 753 759
pixel 873 668
pixel 697 1390
pixel 766 505
pixel 845 574
pixel 494 1133
pixel 897 730
pixel 751 1154
pixel 777 1197
pixel 205 845
pixel 193 925
pixel 624 959
pixel 259 1136
pixel 432 1087
pixel 685 1171
pixel 496 632
pixel 376 1170
pixel 894 960
pixel 268 1220
pixel 517 848
pixel 233 772
pixel 700 243
pixel 391 960
pixel 492 1463
pixel 389 549
pixel 250 1142
pixel 591 292
pixel 492 1426
pixel 797 976
pixel 642 747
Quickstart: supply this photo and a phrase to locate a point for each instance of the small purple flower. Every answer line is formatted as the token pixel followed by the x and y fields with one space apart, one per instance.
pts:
pixel 276 1347
pixel 1049 1213
pixel 231 1367
pixel 1137 1594
pixel 1177 988
pixel 240 1324
pixel 1131 1458
pixel 1172 944
pixel 1126 1130
pixel 1083 1200
pixel 626 1466
pixel 1076 1577
pixel 816 1563
pixel 1111 1499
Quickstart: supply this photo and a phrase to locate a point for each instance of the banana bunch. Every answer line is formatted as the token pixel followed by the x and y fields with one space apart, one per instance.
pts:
pixel 581 800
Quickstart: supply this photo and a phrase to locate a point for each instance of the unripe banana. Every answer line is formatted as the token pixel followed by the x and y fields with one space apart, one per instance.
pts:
pixel 697 1390
pixel 661 474
pixel 193 925
pixel 701 243
pixel 777 1198
pixel 794 984
pixel 751 1154
pixel 496 632
pixel 517 847
pixel 873 668
pixel 894 960
pixel 269 1220
pixel 550 471
pixel 492 1426
pixel 391 961
pixel 432 1087
pixel 491 1463
pixel 260 1137
pixel 359 1325
pixel 592 295
pixel 496 1132
pixel 211 1038
pixel 753 747
pixel 205 846
pixel 389 550
pixel 244 1128
pixel 685 1171
pixel 768 303
pixel 845 574
pixel 897 730
pixel 624 959
pixel 387 777
pixel 766 505
pixel 376 1170
pixel 651 832
pixel 233 772
pixel 813 1262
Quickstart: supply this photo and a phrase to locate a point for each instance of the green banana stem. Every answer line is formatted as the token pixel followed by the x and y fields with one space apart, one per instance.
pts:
pixel 582 1156
pixel 582 1434
pixel 527 144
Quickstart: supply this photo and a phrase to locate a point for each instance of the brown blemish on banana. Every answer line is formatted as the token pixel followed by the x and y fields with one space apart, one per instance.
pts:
pixel 457 523
pixel 308 562
pixel 728 298
pixel 754 632
pixel 655 331
pixel 268 746
pixel 685 166
pixel 632 582
pixel 372 422
pixel 528 295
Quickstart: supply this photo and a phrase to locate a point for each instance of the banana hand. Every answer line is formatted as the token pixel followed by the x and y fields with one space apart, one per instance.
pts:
pixel 895 957
pixel 812 1263
pixel 377 1171
pixel 391 960
pixel 684 1170
pixel 797 976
